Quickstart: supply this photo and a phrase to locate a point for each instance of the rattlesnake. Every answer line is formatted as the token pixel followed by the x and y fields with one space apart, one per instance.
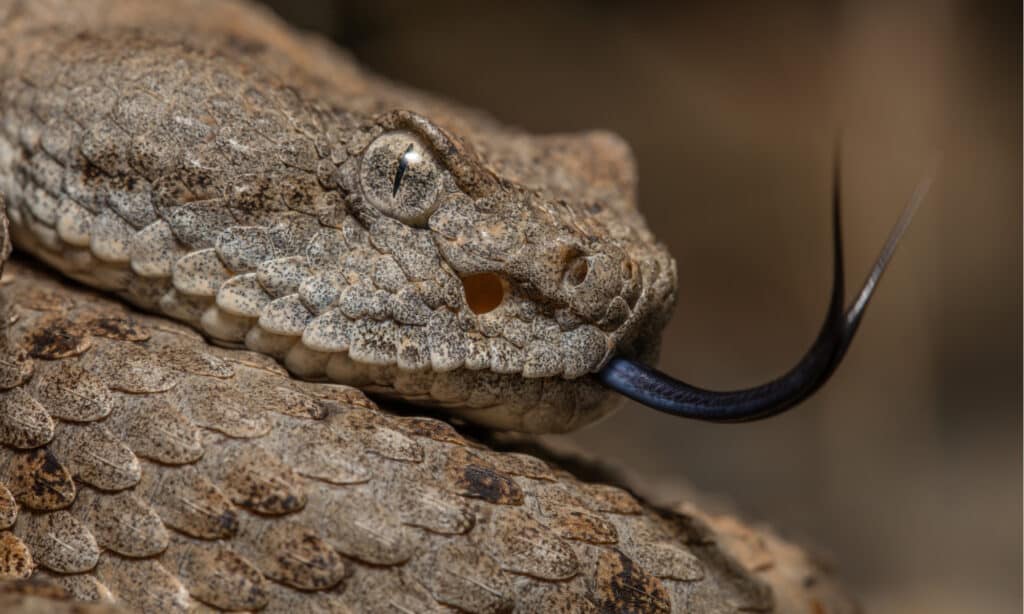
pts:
pixel 206 163
pixel 235 190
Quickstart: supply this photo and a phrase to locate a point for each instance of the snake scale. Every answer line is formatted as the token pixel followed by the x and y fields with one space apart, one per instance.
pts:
pixel 207 164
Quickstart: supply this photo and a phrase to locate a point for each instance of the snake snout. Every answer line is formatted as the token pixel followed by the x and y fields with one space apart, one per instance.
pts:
pixel 601 287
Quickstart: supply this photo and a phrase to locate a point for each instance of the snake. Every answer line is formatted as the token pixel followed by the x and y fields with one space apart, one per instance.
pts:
pixel 357 231
pixel 264 232
pixel 143 469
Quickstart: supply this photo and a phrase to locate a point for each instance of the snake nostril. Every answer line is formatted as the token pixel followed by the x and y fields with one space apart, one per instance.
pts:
pixel 577 271
pixel 484 292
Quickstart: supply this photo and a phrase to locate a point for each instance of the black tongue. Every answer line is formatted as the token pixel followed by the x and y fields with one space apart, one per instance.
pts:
pixel 667 394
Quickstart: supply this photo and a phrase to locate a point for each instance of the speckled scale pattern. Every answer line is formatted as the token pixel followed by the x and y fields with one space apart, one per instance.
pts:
pixel 210 164
pixel 216 482
pixel 200 159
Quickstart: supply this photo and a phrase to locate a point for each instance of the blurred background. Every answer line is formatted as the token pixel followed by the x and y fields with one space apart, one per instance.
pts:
pixel 906 469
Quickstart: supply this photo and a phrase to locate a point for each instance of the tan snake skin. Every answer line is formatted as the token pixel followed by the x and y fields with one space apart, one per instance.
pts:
pixel 142 465
pixel 204 162
pixel 217 176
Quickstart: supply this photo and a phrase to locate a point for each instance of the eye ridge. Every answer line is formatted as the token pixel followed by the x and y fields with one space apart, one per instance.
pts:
pixel 403 165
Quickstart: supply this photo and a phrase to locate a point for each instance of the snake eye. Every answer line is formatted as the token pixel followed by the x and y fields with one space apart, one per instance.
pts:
pixel 401 178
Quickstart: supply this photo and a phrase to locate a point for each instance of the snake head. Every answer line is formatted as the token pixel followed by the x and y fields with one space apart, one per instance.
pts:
pixel 434 256
pixel 561 275
pixel 552 266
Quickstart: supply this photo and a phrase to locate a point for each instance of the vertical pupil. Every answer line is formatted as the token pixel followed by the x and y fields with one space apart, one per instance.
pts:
pixel 403 165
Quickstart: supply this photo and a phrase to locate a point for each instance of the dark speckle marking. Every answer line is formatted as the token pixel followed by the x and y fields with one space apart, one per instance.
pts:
pixel 54 339
pixel 622 586
pixel 39 481
pixel 306 562
pixel 487 484
pixel 15 558
pixel 227 521
pixel 121 328
pixel 257 498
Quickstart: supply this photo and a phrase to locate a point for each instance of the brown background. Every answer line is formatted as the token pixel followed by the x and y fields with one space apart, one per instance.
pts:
pixel 906 468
